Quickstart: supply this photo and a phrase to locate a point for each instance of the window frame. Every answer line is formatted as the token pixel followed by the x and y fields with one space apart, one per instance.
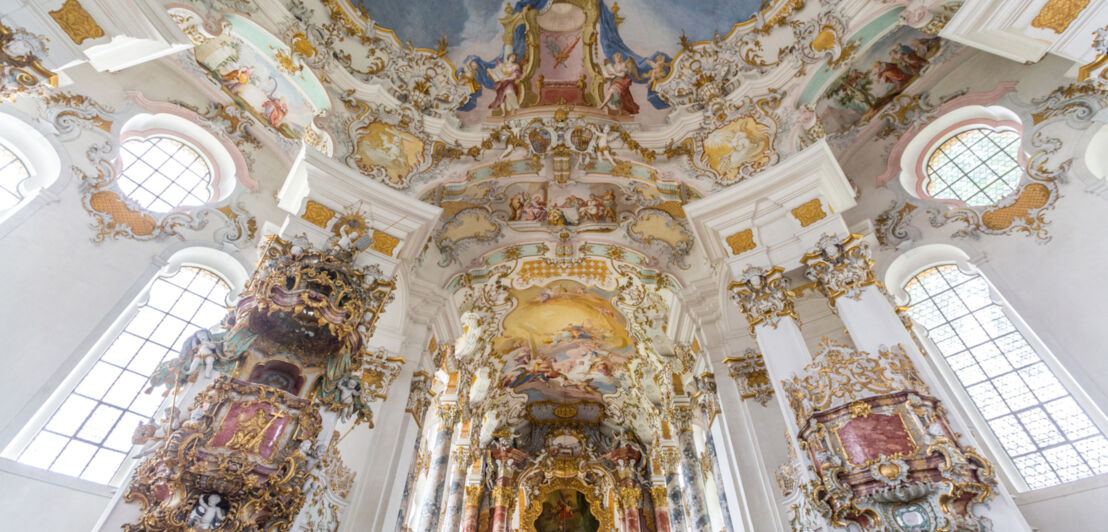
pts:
pixel 206 156
pixel 956 130
pixel 920 259
pixel 44 160
pixel 229 269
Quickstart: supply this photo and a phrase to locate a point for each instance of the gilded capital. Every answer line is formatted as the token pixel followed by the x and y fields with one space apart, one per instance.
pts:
pixel 630 497
pixel 449 415
pixel 840 267
pixel 764 296
pixel 660 496
pixel 503 495
pixel 473 495
pixel 749 372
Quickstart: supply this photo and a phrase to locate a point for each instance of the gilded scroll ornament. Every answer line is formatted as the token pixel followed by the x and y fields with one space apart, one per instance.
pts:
pixel 318 214
pixel 76 22
pixel 21 70
pixel 1057 15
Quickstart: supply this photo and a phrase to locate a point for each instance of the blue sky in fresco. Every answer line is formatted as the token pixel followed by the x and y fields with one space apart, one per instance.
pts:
pixel 471 26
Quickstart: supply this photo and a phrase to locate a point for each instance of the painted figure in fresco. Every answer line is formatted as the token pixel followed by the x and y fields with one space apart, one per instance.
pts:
pixel 238 78
pixel 505 75
pixel 659 67
pixel 617 89
pixel 207 514
pixel 275 109
pixel 516 204
pixel 468 76
pixel 535 210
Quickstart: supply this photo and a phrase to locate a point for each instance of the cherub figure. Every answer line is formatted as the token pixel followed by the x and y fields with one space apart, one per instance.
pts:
pixel 207 514
pixel 204 349
pixel 153 435
pixel 349 389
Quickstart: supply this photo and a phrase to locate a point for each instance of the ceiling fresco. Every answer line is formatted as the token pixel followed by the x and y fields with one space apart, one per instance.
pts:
pixel 565 342
pixel 562 140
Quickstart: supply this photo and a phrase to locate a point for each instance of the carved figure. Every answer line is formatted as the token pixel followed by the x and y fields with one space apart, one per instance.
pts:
pixel 207 514
pixel 349 389
pixel 153 435
pixel 465 347
pixel 204 350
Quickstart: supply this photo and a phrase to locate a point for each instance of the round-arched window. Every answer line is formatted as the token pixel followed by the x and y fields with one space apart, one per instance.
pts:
pixel 13 171
pixel 977 166
pixel 162 173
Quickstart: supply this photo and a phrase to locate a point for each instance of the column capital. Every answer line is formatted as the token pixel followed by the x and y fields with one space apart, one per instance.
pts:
pixel 503 495
pixel 449 415
pixel 660 496
pixel 764 296
pixel 630 497
pixel 840 266
pixel 473 495
pixel 749 372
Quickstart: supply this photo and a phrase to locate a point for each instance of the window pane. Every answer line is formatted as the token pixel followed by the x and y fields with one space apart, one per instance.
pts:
pixel 1043 429
pixel 979 167
pixel 89 435
pixel 161 174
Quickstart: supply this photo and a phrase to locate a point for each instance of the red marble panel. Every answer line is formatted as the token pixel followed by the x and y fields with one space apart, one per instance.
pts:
pixel 866 438
pixel 251 427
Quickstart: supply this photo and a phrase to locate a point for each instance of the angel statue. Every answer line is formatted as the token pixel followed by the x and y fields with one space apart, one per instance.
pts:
pixel 350 390
pixel 618 74
pixel 599 145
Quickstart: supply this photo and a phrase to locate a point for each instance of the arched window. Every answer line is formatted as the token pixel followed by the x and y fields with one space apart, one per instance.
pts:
pixel 1048 435
pixel 162 173
pixel 13 172
pixel 978 166
pixel 88 435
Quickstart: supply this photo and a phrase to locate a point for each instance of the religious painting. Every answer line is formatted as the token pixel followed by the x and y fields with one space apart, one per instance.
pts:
pixel 593 205
pixel 387 146
pixel 873 80
pixel 595 54
pixel 564 342
pixel 246 62
pixel 741 142
pixel 566 511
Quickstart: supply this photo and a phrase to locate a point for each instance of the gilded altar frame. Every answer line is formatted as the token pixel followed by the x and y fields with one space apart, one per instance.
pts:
pixel 528 515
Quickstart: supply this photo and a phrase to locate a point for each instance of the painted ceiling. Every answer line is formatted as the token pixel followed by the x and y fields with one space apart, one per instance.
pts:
pixel 563 139
pixel 472 27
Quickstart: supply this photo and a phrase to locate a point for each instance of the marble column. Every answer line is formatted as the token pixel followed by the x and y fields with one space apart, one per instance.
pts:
pixel 717 472
pixel 630 498
pixel 676 501
pixel 661 507
pixel 472 508
pixel 440 457
pixel 689 468
pixel 409 483
pixel 455 499
pixel 504 492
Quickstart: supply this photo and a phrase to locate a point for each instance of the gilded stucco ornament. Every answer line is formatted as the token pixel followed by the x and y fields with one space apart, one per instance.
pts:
pixel 764 296
pixel 749 372
pixel 840 267
pixel 880 448
pixel 21 70
pixel 243 444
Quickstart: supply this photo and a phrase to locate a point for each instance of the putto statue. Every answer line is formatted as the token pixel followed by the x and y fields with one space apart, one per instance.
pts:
pixel 207 514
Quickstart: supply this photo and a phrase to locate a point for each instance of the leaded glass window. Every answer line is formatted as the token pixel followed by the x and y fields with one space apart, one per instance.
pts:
pixel 1047 434
pixel 12 172
pixel 89 435
pixel 979 166
pixel 163 173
